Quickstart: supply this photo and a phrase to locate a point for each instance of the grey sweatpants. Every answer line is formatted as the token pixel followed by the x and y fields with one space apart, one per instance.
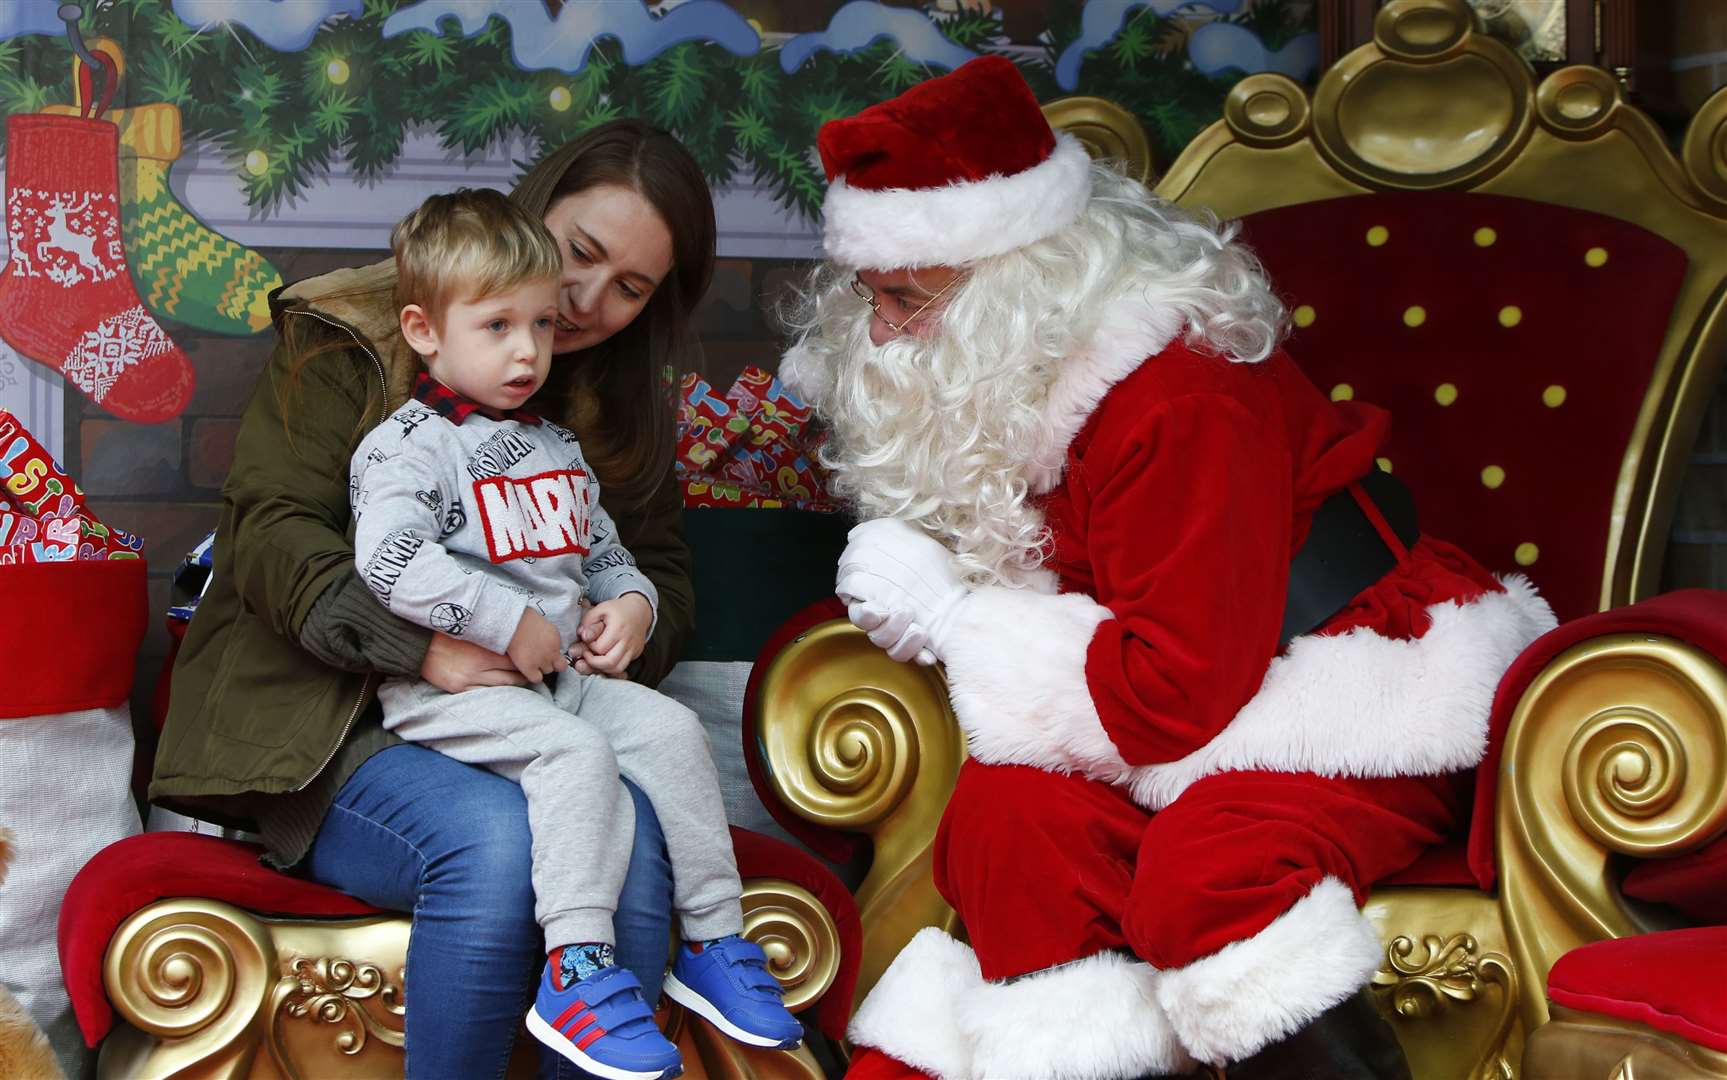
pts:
pixel 567 750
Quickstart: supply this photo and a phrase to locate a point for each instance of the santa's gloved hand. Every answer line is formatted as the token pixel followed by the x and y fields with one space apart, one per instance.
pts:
pixel 899 587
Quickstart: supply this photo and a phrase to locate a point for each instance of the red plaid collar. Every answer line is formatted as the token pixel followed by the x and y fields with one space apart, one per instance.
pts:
pixel 456 408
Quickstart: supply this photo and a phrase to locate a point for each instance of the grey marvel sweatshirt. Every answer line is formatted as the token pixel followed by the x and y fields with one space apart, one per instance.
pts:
pixel 463 521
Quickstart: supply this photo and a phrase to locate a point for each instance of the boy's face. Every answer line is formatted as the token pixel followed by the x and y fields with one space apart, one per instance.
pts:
pixel 496 350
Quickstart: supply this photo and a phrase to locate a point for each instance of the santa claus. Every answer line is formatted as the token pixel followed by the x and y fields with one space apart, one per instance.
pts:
pixel 1215 684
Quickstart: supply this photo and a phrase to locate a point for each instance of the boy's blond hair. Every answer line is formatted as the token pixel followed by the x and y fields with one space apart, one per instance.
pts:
pixel 467 245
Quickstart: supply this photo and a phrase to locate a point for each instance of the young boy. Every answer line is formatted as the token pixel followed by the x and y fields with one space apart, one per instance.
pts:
pixel 482 521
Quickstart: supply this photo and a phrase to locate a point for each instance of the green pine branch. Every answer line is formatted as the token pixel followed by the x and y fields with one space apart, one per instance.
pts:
pixel 485 112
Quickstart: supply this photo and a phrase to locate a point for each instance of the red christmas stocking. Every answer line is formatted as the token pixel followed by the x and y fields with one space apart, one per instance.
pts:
pixel 67 299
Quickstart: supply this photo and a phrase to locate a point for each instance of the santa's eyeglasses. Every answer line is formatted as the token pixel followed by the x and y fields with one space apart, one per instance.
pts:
pixel 867 295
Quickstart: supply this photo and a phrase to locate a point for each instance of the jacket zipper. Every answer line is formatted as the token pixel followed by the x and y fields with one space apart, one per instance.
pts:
pixel 384 414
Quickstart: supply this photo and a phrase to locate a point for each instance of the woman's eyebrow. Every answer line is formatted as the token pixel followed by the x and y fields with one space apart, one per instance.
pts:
pixel 600 250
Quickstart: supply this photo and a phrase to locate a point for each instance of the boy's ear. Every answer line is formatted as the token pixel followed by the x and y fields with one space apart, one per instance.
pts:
pixel 418 330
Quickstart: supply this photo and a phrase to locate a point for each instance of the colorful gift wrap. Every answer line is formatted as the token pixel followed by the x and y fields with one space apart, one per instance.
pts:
pixel 747 448
pixel 33 482
pixel 708 425
pixel 43 514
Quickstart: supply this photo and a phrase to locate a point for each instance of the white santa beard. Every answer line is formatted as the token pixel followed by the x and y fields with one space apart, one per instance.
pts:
pixel 934 432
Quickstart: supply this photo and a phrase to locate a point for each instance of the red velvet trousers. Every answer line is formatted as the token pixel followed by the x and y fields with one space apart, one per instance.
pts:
pixel 1044 868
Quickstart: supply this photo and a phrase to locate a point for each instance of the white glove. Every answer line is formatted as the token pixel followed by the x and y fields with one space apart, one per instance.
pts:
pixel 899 587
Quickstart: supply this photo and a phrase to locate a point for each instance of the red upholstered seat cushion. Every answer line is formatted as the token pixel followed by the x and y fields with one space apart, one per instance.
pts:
pixel 136 872
pixel 1696 883
pixel 1696 616
pixel 140 870
pixel 1672 981
pixel 1510 310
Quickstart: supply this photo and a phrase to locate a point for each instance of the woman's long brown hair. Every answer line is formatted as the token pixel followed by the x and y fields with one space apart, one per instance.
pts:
pixel 614 394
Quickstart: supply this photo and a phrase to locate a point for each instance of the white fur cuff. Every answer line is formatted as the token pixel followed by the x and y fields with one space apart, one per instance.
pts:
pixel 1094 1019
pixel 912 1013
pixel 1016 672
pixel 1252 993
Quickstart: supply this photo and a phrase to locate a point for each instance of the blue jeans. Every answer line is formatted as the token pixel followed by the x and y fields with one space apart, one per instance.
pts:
pixel 413 830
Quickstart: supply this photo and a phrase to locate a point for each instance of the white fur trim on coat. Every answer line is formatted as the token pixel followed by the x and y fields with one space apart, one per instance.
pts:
pixel 1355 704
pixel 1359 704
pixel 1129 334
pixel 1016 673
pixel 896 228
pixel 1252 993
pixel 912 1014
pixel 1094 1019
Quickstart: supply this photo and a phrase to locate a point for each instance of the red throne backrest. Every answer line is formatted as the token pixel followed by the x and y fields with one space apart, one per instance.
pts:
pixel 1512 341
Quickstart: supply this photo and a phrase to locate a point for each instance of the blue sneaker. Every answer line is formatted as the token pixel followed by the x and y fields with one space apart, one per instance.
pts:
pixel 603 1024
pixel 728 984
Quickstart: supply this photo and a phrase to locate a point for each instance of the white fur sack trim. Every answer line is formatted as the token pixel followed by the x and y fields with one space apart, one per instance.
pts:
pixel 1016 674
pixel 1363 705
pixel 1094 1019
pixel 1252 993
pixel 912 1013
pixel 1355 704
pixel 896 228
pixel 1130 332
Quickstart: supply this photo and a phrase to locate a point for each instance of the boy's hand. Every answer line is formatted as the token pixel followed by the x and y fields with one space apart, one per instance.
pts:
pixel 612 635
pixel 535 648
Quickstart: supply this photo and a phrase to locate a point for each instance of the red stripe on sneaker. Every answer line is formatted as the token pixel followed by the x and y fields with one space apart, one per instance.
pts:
pixel 564 1017
pixel 583 1021
pixel 590 1038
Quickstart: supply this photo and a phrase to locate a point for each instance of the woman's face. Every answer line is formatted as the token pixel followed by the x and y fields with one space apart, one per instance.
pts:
pixel 617 250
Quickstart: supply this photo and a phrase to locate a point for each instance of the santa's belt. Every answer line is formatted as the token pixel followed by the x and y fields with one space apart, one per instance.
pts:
pixel 1346 551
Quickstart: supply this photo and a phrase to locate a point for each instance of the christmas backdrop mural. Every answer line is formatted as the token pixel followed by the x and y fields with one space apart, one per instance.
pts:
pixel 243 143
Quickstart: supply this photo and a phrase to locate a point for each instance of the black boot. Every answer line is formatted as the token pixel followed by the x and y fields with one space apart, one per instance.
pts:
pixel 1349 1041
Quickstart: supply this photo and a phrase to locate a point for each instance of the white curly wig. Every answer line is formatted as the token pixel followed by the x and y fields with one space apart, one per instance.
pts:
pixel 935 431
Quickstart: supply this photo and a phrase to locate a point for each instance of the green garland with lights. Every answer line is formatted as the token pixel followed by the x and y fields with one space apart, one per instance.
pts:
pixel 283 118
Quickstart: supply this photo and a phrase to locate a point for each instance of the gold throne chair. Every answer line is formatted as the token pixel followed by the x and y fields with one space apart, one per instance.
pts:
pixel 1427 205
pixel 1533 284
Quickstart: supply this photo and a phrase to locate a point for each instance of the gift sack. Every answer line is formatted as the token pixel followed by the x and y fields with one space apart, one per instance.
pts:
pixel 69 632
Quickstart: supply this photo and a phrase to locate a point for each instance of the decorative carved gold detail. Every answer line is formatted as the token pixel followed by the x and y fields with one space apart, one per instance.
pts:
pixel 1619 747
pixel 1267 111
pixel 853 740
pixel 1705 151
pixel 335 991
pixel 1367 107
pixel 798 934
pixel 1107 131
pixel 1452 971
pixel 191 974
pixel 1575 1044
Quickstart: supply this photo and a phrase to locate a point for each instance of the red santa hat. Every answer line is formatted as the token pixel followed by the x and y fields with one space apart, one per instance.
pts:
pixel 955 169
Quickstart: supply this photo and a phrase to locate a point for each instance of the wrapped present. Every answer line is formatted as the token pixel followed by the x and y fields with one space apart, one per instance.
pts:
pixel 44 517
pixel 750 447
pixel 708 425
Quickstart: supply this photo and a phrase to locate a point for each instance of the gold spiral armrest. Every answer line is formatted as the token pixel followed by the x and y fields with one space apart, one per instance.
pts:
pixel 798 934
pixel 854 740
pixel 194 974
pixel 1619 747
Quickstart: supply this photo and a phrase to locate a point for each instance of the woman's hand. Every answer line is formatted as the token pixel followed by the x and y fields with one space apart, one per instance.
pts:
pixel 612 635
pixel 453 666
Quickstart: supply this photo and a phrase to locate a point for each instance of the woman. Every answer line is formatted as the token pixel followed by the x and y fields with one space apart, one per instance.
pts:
pixel 273 720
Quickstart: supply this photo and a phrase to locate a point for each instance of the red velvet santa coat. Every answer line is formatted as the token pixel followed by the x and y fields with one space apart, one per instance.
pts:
pixel 1185 485
pixel 1178 486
